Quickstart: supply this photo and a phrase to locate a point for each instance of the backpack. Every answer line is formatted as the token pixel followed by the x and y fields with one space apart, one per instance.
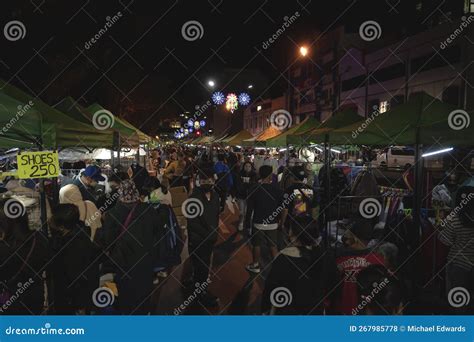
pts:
pixel 169 241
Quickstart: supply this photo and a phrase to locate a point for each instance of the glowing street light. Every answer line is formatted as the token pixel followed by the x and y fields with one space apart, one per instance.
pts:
pixel 250 86
pixel 211 83
pixel 303 51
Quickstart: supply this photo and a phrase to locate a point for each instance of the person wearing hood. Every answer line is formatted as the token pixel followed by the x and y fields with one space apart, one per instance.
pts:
pixel 202 212
pixel 88 212
pixel 130 239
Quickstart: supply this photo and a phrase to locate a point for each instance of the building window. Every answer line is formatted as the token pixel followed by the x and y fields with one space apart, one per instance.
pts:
pixel 384 106
pixel 259 108
pixel 468 6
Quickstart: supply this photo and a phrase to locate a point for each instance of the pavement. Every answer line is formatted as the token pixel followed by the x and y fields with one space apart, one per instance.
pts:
pixel 238 290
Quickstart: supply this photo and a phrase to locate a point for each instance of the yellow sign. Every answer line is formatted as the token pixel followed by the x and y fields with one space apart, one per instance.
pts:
pixel 44 164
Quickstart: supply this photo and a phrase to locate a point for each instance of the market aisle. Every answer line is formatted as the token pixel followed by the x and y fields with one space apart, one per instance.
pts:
pixel 238 292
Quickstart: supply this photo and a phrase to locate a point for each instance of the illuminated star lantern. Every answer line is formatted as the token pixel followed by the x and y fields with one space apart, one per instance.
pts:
pixel 244 99
pixel 196 125
pixel 232 103
pixel 190 130
pixel 190 123
pixel 218 98
pixel 202 123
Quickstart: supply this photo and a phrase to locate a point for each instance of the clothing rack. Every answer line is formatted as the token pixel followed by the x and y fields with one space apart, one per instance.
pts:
pixel 389 191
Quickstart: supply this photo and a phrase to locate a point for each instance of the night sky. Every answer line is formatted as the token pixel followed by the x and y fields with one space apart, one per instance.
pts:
pixel 144 70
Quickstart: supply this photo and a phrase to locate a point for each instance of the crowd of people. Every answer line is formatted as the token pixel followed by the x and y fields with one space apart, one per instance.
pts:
pixel 126 238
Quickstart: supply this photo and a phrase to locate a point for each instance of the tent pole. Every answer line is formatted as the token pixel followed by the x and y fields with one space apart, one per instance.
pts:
pixel 43 199
pixel 418 187
pixel 327 190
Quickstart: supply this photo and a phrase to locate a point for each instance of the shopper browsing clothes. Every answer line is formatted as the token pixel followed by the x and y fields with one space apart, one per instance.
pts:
pixel 265 206
pixel 350 260
pixel 87 182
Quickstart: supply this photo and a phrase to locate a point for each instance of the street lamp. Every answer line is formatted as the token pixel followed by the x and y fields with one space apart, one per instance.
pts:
pixel 211 83
pixel 303 51
pixel 250 86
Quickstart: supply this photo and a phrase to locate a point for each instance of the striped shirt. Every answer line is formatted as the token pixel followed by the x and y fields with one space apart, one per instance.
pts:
pixel 461 240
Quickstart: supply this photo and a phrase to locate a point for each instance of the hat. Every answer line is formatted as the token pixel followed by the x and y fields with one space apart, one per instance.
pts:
pixel 94 172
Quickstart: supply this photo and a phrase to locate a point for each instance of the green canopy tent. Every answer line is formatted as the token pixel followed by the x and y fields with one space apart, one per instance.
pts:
pixel 236 140
pixel 197 140
pixel 221 138
pixel 282 139
pixel 58 130
pixel 317 134
pixel 422 120
pixel 207 140
pixel 74 110
pixel 21 124
pixel 143 138
pixel 260 139
pixel 128 134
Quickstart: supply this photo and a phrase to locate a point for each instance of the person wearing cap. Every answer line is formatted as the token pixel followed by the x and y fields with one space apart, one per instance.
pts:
pixel 264 209
pixel 87 181
pixel 350 260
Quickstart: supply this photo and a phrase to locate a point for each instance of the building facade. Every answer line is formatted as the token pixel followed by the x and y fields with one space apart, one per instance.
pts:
pixel 257 117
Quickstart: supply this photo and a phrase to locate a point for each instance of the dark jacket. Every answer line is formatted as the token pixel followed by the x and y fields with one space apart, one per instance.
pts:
pixel 74 271
pixel 244 183
pixel 305 275
pixel 132 252
pixel 266 204
pixel 224 176
pixel 23 263
pixel 204 226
